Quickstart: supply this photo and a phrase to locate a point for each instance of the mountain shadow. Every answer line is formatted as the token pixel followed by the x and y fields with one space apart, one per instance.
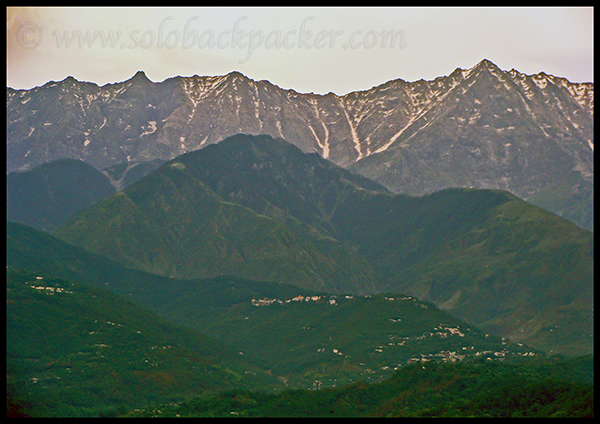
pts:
pixel 48 195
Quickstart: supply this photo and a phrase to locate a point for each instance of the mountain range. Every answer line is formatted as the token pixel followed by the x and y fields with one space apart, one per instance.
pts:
pixel 177 239
pixel 257 207
pixel 482 127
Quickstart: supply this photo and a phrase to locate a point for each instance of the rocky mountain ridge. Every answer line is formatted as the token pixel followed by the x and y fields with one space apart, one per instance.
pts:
pixel 480 127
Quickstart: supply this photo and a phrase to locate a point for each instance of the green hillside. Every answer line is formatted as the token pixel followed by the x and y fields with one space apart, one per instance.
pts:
pixel 526 274
pixel 308 338
pixel 316 340
pixel 274 178
pixel 171 223
pixel 258 208
pixel 485 256
pixel 482 389
pixel 126 173
pixel 74 350
pixel 28 248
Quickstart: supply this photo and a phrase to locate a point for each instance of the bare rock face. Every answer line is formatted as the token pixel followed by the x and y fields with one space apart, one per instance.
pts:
pixel 482 127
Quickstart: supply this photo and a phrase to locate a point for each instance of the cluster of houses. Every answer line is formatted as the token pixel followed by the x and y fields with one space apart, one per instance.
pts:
pixel 49 290
pixel 447 356
pixel 319 299
pixel 444 356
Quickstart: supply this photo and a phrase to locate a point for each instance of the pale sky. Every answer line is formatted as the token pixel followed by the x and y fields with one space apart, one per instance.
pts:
pixel 307 49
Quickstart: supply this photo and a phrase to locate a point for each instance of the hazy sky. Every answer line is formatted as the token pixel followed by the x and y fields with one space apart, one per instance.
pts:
pixel 307 49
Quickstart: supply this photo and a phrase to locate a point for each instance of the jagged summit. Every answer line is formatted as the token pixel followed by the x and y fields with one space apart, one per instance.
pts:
pixel 236 74
pixel 70 79
pixel 483 65
pixel 487 63
pixel 140 76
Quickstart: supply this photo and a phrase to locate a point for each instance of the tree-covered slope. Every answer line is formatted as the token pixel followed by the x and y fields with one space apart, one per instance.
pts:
pixel 485 256
pixel 311 339
pixel 483 389
pixel 527 275
pixel 75 350
pixel 257 207
pixel 317 340
pixel 173 224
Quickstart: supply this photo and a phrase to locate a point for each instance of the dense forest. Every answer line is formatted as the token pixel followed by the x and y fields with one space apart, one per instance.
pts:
pixel 483 389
